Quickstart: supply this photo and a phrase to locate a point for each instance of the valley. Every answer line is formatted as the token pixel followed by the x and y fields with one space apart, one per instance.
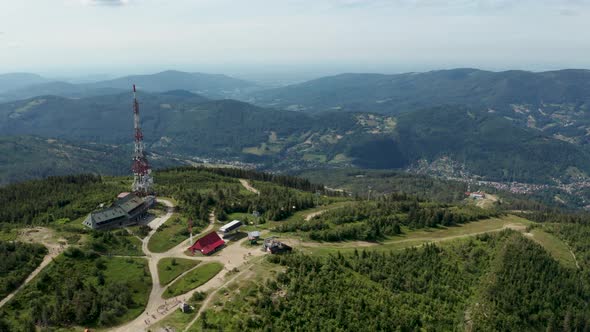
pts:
pixel 261 166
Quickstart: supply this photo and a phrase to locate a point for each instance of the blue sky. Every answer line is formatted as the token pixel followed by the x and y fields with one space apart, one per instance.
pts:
pixel 250 36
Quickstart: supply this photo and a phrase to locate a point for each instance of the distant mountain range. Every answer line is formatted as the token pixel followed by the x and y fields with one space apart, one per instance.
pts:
pixel 15 81
pixel 23 86
pixel 399 93
pixel 181 123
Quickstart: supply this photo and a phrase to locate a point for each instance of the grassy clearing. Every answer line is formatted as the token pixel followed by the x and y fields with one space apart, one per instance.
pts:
pixel 300 215
pixel 557 248
pixel 133 271
pixel 169 235
pixel 118 243
pixel 193 279
pixel 235 297
pixel 8 234
pixel 170 268
pixel 420 237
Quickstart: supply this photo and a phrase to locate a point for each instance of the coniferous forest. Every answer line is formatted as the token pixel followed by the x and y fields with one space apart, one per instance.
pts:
pixel 501 282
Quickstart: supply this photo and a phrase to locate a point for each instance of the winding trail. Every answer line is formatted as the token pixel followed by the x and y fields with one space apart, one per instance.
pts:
pixel 575 259
pixel 210 297
pixel 46 237
pixel 234 255
pixel 249 187
pixel 315 214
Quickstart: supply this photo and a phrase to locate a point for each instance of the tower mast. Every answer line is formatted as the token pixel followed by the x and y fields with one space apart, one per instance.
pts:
pixel 142 179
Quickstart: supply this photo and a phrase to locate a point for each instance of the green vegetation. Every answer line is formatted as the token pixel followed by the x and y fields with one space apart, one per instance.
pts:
pixel 178 319
pixel 201 190
pixel 488 282
pixel 41 202
pixel 17 261
pixel 169 235
pixel 415 238
pixel 576 236
pixel 193 279
pixel 557 248
pixel 81 289
pixel 118 242
pixel 415 289
pixel 170 268
pixel 527 290
pixel 533 134
pixel 360 181
pixel 26 157
pixel 375 220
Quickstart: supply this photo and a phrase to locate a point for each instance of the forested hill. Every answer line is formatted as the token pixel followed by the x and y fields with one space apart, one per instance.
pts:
pixel 180 123
pixel 26 157
pixel 398 93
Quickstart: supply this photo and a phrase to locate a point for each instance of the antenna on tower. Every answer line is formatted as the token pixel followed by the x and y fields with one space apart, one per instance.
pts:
pixel 142 178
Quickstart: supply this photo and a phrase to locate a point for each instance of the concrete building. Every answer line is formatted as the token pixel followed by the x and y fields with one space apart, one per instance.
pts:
pixel 127 210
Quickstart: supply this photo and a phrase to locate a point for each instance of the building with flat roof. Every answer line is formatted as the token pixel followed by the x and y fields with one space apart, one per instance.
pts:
pixel 230 226
pixel 127 210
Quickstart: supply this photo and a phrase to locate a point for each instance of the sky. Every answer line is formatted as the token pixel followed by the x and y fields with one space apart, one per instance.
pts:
pixel 257 38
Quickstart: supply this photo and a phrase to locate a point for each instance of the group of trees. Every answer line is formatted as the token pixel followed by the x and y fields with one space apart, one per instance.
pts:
pixel 45 201
pixel 282 180
pixel 576 236
pixel 200 191
pixel 116 242
pixel 531 291
pixel 73 290
pixel 373 220
pixel 17 261
pixel 499 282
pixel 416 289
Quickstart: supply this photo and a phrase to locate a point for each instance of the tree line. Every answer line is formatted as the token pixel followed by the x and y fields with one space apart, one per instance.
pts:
pixel 382 217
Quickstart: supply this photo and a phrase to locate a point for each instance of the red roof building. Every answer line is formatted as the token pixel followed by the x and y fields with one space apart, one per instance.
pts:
pixel 207 244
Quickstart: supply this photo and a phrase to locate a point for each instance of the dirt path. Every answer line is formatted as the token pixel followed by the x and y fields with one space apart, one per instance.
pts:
pixel 46 260
pixel 232 256
pixel 425 239
pixel 210 297
pixel 249 187
pixel 314 214
pixel 46 237
pixel 575 259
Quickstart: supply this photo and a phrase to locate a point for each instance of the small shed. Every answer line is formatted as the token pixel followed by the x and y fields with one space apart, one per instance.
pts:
pixel 185 307
pixel 253 236
pixel 274 246
pixel 207 244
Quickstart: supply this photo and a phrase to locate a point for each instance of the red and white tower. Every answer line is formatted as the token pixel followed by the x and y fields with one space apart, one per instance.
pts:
pixel 142 181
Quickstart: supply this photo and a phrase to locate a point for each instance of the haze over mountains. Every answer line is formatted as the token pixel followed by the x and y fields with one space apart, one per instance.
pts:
pixel 30 85
pixel 530 127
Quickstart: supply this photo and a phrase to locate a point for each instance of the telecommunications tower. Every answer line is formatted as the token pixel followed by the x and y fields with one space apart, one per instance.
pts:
pixel 142 178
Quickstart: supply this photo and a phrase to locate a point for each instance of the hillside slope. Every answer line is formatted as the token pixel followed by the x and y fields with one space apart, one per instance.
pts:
pixel 406 92
pixel 179 122
pixel 25 157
